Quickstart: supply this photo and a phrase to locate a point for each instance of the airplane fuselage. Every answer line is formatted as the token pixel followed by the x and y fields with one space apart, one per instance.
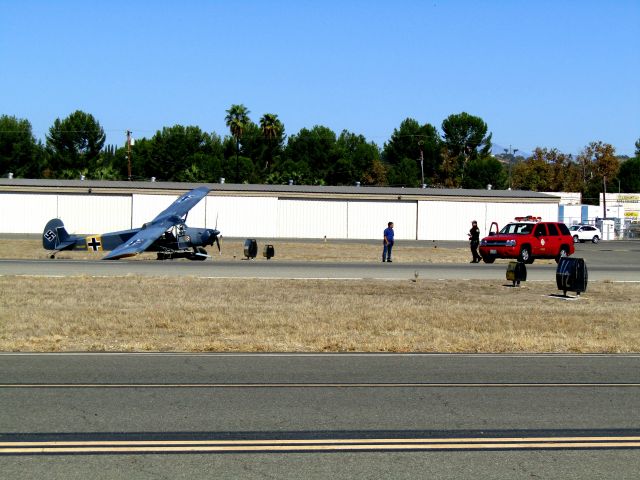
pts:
pixel 171 241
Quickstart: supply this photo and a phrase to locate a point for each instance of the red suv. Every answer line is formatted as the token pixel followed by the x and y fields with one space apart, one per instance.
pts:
pixel 527 239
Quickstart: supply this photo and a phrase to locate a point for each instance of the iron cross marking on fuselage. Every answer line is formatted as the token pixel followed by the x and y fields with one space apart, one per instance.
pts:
pixel 94 244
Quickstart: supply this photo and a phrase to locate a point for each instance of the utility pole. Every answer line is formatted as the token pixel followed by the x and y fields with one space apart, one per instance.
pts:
pixel 421 163
pixel 129 154
pixel 604 196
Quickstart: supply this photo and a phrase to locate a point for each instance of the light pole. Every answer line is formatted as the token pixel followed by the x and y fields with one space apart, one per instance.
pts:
pixel 511 152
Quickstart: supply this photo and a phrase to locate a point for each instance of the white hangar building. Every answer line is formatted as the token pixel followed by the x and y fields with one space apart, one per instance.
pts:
pixel 268 211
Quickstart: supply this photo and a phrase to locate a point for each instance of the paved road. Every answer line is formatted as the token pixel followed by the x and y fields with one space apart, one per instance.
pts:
pixel 319 415
pixel 613 261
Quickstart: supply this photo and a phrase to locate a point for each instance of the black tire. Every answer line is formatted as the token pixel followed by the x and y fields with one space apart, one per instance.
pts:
pixel 595 239
pixel 525 254
pixel 576 239
pixel 488 259
pixel 564 252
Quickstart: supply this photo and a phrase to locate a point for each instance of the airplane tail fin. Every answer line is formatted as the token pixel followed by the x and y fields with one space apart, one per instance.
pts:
pixel 56 237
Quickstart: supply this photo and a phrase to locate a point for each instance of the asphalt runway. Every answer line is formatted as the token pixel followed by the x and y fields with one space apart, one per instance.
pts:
pixel 321 415
pixel 318 415
pixel 611 261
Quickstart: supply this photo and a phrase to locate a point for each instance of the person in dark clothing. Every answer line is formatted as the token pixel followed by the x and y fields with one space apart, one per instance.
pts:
pixel 388 242
pixel 474 242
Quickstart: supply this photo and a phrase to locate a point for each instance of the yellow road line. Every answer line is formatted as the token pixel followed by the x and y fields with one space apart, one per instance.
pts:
pixel 503 440
pixel 323 445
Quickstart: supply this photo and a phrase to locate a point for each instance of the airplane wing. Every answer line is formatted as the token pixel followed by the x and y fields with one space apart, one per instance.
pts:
pixel 140 241
pixel 151 231
pixel 183 204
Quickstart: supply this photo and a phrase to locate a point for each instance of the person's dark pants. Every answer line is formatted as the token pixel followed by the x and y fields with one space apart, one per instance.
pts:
pixel 386 252
pixel 474 251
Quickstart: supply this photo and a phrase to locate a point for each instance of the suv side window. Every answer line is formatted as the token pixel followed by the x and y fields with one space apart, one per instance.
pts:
pixel 552 229
pixel 563 229
pixel 540 231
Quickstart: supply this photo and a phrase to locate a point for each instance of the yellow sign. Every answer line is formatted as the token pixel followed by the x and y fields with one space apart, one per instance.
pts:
pixel 623 198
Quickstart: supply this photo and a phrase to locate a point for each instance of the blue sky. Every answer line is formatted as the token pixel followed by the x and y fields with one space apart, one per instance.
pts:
pixel 554 74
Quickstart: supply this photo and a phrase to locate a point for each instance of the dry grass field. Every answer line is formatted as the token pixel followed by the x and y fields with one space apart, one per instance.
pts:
pixel 188 314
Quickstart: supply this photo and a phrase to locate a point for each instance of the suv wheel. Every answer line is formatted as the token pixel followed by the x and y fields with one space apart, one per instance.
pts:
pixel 525 255
pixel 576 239
pixel 488 259
pixel 595 239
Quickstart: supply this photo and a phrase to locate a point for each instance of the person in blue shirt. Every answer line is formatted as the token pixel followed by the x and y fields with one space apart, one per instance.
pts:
pixel 388 242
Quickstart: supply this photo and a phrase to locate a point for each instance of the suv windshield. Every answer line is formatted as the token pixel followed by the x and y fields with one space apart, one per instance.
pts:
pixel 519 228
pixel 573 228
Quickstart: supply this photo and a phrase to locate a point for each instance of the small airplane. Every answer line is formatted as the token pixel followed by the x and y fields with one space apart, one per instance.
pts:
pixel 166 234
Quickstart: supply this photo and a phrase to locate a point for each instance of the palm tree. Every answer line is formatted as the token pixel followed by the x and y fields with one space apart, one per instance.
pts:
pixel 237 119
pixel 271 128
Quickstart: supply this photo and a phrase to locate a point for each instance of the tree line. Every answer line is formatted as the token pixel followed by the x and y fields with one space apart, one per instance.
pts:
pixel 415 154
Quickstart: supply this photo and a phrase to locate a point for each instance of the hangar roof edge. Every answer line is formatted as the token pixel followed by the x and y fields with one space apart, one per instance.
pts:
pixel 300 191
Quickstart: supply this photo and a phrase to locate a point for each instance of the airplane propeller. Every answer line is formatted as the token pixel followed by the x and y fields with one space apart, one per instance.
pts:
pixel 218 235
pixel 211 237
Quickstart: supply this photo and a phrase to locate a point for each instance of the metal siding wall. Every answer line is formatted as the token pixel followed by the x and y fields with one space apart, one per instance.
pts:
pixel 312 219
pixel 27 213
pixel 504 213
pixel 367 220
pixel 440 220
pixel 147 207
pixel 243 216
pixel 572 214
pixel 268 217
pixel 94 213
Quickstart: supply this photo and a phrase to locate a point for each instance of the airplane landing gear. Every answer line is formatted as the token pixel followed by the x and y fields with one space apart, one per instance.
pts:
pixel 199 253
